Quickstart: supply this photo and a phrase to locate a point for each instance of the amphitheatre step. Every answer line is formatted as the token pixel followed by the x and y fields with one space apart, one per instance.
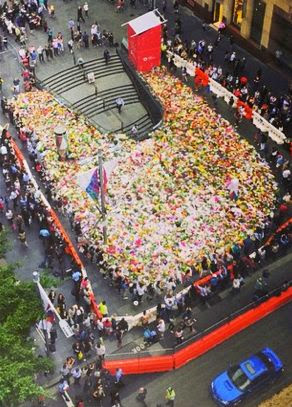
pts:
pixel 113 93
pixel 75 68
pixel 131 113
pixel 63 85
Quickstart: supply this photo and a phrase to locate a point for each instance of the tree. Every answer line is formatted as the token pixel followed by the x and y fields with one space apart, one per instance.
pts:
pixel 20 307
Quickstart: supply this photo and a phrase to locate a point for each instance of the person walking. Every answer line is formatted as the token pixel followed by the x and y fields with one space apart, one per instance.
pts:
pixel 170 396
pixel 106 56
pixel 120 103
pixel 63 387
pixel 86 8
pixel 22 237
pixel 119 377
pixel 142 392
pixel 80 14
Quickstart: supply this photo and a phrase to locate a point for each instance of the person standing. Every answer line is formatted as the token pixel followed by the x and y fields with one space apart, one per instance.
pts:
pixel 76 374
pixel 170 396
pixel 100 351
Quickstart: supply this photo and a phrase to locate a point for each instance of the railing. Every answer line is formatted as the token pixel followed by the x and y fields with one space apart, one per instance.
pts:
pixel 150 103
pixel 202 333
pixel 215 87
pixel 64 102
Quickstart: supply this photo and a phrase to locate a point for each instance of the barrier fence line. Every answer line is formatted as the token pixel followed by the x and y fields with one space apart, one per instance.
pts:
pixel 154 364
pixel 201 78
pixel 70 247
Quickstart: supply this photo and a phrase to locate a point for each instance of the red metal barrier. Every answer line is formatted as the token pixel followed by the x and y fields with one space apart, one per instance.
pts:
pixel 148 364
pixel 203 345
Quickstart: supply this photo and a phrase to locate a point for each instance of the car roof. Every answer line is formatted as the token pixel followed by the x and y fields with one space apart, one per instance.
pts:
pixel 253 367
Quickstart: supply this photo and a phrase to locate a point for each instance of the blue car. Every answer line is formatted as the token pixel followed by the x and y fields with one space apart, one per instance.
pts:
pixel 232 386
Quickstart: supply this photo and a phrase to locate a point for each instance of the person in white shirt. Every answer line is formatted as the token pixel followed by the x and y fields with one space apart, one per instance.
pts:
pixel 86 8
pixel 141 288
pixel 76 373
pixel 3 150
pixel 120 103
pixel 161 328
pixel 100 351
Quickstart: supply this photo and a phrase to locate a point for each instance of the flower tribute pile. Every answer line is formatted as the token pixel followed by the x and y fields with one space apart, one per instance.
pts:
pixel 195 188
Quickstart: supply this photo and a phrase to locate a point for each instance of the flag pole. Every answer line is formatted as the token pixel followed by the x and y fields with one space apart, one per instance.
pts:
pixel 103 210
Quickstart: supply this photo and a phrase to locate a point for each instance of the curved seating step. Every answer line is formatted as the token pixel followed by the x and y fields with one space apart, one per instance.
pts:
pixel 111 93
pixel 87 65
pixel 70 83
pixel 141 124
pixel 93 111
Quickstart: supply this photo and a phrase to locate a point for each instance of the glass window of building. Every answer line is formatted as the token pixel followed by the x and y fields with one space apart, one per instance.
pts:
pixel 237 12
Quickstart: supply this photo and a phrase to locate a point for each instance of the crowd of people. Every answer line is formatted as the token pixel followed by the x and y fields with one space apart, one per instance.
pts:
pixel 232 74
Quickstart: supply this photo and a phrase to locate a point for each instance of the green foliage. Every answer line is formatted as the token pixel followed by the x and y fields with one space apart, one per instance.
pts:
pixel 4 245
pixel 47 280
pixel 20 307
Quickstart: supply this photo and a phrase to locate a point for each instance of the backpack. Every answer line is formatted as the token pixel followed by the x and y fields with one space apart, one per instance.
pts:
pixel 80 355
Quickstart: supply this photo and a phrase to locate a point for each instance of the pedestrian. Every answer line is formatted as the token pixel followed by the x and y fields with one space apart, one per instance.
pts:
pixel 103 308
pixel 231 102
pixel 115 398
pixel 22 237
pixel 170 396
pixel 142 392
pixel 99 394
pixel 52 295
pixel 100 351
pixel 179 334
pixel 120 103
pixel 134 131
pixel 161 328
pixel 76 374
pixel 80 15
pixel 63 387
pixel 86 8
pixel 119 377
pixel 106 56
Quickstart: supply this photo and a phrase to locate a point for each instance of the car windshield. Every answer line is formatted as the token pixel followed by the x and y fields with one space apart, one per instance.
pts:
pixel 239 378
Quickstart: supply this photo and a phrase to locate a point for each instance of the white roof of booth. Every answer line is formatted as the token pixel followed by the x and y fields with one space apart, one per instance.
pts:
pixel 146 22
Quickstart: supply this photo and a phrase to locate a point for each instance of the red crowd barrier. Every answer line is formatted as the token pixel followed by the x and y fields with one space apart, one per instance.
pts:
pixel 178 359
pixel 147 364
pixel 69 246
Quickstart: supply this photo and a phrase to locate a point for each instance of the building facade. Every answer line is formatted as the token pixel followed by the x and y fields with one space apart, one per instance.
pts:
pixel 266 23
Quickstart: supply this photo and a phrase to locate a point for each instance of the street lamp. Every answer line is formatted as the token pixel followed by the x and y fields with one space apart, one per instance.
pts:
pixel 36 277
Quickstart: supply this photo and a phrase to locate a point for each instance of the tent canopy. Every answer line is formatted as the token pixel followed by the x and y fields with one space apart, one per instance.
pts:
pixel 145 22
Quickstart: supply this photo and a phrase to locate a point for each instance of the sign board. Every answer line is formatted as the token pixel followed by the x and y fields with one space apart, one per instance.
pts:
pixel 91 77
pixel 66 328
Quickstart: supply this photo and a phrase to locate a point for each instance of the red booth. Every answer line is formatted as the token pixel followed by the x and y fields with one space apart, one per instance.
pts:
pixel 144 40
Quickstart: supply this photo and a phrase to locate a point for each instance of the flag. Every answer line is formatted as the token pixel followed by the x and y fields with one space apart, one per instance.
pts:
pixel 48 306
pixel 89 181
